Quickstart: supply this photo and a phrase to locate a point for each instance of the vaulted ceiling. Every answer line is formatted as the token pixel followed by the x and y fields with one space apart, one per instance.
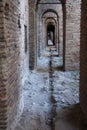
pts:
pixel 62 1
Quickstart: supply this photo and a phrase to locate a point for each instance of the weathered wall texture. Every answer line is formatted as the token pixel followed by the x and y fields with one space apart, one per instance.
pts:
pixel 72 47
pixel 83 58
pixel 13 17
pixel 3 89
pixel 32 34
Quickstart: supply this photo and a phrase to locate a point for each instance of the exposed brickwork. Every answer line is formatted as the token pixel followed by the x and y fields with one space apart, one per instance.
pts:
pixel 32 34
pixel 83 83
pixel 3 89
pixel 13 17
pixel 14 60
pixel 72 47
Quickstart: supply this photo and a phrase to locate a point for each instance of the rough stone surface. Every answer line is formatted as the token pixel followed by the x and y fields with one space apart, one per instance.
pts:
pixel 46 92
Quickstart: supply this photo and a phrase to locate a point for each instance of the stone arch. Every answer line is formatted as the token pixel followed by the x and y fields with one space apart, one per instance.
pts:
pixel 55 23
pixel 50 10
pixel 57 9
pixel 59 41
pixel 51 18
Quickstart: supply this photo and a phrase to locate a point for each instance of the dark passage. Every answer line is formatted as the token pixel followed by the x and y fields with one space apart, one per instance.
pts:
pixel 50 35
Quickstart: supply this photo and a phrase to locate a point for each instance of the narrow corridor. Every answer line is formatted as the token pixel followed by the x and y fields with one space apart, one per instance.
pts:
pixel 43 64
pixel 51 97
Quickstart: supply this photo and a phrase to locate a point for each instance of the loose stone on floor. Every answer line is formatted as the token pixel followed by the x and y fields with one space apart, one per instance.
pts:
pixel 43 103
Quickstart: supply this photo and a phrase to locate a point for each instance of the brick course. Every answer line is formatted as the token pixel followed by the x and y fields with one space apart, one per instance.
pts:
pixel 3 89
pixel 32 34
pixel 72 46
pixel 13 17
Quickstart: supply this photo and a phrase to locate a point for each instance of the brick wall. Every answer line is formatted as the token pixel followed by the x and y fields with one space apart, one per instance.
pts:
pixel 13 60
pixel 3 89
pixel 83 58
pixel 72 47
pixel 32 34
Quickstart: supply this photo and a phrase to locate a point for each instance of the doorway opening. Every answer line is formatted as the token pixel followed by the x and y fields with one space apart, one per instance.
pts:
pixel 50 35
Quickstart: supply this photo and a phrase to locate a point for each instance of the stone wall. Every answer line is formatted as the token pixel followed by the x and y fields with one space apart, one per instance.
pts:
pixel 83 58
pixel 72 47
pixel 13 60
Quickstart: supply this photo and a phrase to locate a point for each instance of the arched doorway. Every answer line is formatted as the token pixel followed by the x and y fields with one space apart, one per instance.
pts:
pixel 50 35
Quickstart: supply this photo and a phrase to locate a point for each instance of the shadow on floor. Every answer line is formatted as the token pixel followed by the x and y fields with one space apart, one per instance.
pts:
pixel 70 118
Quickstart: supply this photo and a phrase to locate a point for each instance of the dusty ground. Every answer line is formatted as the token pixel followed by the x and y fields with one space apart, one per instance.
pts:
pixel 51 98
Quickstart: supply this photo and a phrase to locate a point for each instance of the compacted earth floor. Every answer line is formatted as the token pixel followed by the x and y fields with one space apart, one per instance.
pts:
pixel 51 97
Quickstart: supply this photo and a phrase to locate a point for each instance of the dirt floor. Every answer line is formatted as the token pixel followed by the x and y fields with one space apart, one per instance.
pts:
pixel 51 97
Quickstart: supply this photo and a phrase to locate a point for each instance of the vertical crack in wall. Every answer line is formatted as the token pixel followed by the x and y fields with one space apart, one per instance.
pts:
pixel 51 85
